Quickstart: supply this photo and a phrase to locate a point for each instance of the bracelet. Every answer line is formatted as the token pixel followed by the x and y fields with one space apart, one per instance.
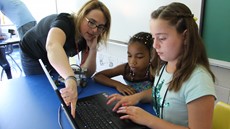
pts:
pixel 71 77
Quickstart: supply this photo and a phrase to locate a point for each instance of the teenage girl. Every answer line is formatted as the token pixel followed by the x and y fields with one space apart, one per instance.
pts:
pixel 183 94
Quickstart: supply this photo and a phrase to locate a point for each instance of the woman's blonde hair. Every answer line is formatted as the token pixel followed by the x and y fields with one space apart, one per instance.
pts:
pixel 85 9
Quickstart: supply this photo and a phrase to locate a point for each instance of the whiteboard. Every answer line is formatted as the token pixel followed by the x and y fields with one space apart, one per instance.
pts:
pixel 132 16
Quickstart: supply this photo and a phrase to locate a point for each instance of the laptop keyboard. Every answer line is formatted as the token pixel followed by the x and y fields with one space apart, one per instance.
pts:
pixel 95 116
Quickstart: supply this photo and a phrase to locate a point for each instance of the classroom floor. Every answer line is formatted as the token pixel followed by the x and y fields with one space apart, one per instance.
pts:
pixel 16 72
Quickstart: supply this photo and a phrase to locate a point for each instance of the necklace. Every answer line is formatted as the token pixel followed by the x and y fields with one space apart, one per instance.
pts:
pixel 132 74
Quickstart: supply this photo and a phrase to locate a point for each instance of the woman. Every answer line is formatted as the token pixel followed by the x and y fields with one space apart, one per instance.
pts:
pixel 183 94
pixel 57 37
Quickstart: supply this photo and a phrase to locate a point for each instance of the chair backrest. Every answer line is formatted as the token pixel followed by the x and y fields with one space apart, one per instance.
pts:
pixel 9 49
pixel 221 116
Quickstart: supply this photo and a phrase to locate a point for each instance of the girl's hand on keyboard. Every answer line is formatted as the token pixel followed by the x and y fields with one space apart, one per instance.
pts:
pixel 122 100
pixel 135 114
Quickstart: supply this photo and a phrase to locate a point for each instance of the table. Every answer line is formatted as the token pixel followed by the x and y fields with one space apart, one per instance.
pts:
pixel 9 41
pixel 30 103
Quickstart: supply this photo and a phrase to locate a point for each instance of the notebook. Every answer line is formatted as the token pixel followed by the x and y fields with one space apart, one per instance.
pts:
pixel 92 112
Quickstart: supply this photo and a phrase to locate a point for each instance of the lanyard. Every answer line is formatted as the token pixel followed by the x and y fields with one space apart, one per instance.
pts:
pixel 155 96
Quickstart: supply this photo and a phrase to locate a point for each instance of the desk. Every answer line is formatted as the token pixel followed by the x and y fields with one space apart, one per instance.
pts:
pixel 30 103
pixel 9 41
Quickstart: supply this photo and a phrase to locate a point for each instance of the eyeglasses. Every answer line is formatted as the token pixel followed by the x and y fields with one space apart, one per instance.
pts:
pixel 92 24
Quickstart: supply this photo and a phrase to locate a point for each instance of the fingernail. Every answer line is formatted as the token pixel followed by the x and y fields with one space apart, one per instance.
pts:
pixel 124 104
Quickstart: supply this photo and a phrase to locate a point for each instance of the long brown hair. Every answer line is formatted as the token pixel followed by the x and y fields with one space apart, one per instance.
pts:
pixel 193 53
pixel 85 9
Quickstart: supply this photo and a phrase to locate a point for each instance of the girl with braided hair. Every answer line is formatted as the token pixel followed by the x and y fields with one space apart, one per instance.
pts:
pixel 183 93
pixel 137 72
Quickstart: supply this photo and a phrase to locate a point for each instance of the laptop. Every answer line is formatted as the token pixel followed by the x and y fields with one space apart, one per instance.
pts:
pixel 92 112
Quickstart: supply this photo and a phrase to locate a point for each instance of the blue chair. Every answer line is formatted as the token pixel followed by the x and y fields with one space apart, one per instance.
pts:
pixel 7 50
pixel 4 63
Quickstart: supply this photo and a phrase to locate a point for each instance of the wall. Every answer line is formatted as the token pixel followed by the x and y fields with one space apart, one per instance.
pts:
pixel 132 16
pixel 222 83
